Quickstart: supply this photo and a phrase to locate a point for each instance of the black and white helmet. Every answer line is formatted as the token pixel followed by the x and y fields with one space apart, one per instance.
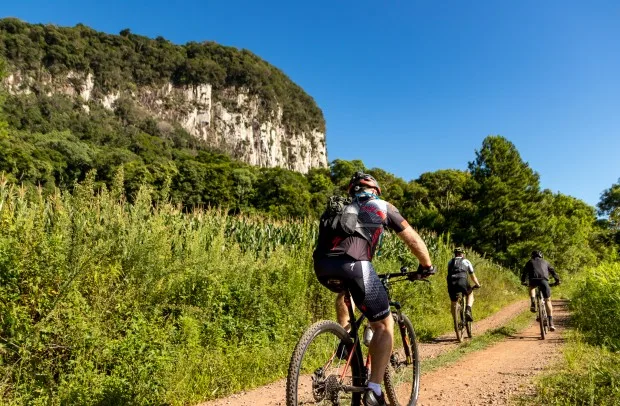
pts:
pixel 361 180
pixel 537 254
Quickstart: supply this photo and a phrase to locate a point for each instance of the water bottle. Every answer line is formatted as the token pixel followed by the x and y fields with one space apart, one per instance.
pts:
pixel 367 335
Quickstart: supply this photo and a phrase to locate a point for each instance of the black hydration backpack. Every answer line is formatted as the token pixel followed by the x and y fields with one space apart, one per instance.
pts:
pixel 331 217
pixel 340 216
pixel 457 269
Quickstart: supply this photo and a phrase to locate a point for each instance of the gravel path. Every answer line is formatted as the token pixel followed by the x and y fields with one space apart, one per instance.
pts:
pixel 487 377
pixel 492 376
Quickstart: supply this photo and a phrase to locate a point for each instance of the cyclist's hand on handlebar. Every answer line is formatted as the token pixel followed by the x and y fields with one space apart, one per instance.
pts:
pixel 425 271
pixel 477 286
pixel 557 282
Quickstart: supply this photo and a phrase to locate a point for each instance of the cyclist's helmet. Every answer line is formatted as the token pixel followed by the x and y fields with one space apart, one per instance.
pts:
pixel 459 250
pixel 361 180
pixel 537 254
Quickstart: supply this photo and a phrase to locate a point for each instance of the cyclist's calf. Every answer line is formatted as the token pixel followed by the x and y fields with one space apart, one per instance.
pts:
pixel 381 347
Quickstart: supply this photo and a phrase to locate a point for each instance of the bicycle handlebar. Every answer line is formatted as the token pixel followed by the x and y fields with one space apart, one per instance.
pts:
pixel 404 273
pixel 556 283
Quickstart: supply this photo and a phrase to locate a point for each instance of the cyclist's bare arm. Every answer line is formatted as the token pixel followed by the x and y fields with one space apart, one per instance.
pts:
pixel 474 278
pixel 417 246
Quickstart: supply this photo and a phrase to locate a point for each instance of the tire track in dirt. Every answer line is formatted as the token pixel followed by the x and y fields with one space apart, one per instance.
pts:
pixel 494 375
pixel 273 394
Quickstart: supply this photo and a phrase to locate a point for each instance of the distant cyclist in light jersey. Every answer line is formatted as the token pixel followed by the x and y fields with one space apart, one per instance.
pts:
pixel 459 270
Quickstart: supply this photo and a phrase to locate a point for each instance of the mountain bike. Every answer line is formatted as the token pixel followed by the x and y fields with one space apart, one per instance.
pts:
pixel 543 321
pixel 461 324
pixel 542 318
pixel 323 371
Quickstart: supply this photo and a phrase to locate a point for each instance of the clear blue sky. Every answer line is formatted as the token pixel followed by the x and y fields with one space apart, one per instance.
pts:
pixel 415 86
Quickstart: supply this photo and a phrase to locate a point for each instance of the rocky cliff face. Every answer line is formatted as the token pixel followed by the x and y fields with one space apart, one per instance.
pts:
pixel 233 121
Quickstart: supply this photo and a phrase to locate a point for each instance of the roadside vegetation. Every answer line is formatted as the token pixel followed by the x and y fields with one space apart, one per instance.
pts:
pixel 104 301
pixel 590 372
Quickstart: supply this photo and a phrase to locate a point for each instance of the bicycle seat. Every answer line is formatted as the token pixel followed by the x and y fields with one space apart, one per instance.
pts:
pixel 335 284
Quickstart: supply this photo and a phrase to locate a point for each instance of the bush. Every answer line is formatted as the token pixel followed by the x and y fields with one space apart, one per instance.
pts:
pixel 109 302
pixel 588 376
pixel 596 305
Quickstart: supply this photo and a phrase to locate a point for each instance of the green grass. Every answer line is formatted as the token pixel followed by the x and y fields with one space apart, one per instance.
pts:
pixel 106 302
pixel 589 373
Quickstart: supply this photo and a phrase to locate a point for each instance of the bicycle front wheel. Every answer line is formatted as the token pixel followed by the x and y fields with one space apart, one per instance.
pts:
pixel 402 376
pixel 318 372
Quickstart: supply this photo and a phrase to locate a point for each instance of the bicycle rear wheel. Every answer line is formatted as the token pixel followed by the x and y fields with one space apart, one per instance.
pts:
pixel 545 314
pixel 465 320
pixel 317 374
pixel 402 376
pixel 541 317
pixel 458 318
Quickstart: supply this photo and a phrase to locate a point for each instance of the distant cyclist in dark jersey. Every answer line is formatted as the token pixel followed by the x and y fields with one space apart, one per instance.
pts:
pixel 342 261
pixel 459 269
pixel 537 272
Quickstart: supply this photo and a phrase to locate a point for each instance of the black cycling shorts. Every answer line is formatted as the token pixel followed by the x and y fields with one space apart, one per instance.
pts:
pixel 543 284
pixel 360 278
pixel 456 286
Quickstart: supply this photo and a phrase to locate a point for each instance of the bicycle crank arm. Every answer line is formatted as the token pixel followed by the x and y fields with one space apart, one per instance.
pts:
pixel 353 389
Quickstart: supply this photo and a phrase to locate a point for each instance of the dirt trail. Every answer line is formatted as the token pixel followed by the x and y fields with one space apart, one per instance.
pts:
pixel 494 375
pixel 273 394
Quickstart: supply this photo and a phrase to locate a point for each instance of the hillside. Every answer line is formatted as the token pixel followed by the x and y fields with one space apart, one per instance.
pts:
pixel 230 99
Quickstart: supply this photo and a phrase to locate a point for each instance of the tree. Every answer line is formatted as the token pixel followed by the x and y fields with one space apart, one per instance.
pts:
pixel 449 196
pixel 341 171
pixel 321 187
pixel 609 228
pixel 565 231
pixel 282 193
pixel 3 122
pixel 506 202
pixel 609 205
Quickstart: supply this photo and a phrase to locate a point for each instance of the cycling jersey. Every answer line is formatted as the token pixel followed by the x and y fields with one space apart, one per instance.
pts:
pixel 538 268
pixel 342 260
pixel 374 215
pixel 458 267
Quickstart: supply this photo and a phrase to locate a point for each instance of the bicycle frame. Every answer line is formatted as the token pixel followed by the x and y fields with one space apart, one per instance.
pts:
pixel 360 382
